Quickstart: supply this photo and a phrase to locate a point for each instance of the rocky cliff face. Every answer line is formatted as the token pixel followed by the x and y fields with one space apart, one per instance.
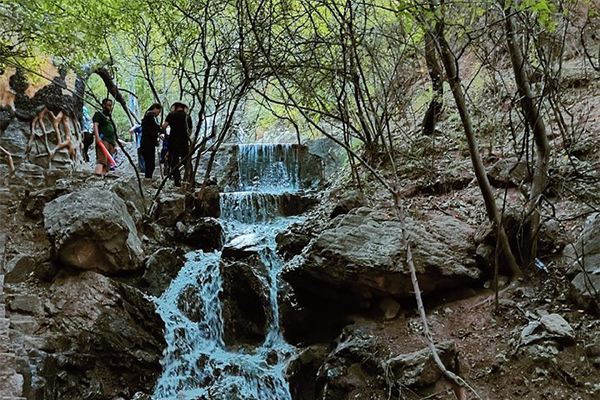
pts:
pixel 39 117
pixel 70 325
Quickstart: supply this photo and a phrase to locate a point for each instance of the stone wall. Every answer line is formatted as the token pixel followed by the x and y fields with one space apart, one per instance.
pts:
pixel 40 117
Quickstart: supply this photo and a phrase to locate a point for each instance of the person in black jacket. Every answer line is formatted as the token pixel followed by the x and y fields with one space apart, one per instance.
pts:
pixel 181 128
pixel 150 131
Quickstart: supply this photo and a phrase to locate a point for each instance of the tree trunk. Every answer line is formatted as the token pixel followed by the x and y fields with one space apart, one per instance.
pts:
pixel 435 72
pixel 450 64
pixel 537 126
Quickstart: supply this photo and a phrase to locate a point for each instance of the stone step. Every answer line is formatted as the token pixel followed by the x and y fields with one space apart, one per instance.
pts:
pixel 2 310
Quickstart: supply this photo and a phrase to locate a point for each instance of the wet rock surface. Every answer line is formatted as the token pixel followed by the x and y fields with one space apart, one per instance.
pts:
pixel 160 269
pixel 245 300
pixel 205 234
pixel 292 241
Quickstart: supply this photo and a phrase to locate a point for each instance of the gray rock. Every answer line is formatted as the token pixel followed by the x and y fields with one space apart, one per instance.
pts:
pixel 302 371
pixel 104 337
pixel 360 367
pixel 322 161
pixel 549 327
pixel 291 242
pixel 20 268
pixel 170 208
pixel 585 256
pixel 585 290
pixel 127 188
pixel 190 303
pixel 585 253
pixel 245 301
pixel 244 246
pixel 361 257
pixel 508 172
pixel 205 234
pixel 418 369
pixel 389 307
pixel 26 303
pixel 160 269
pixel 558 327
pixel 91 229
pixel 349 202
pixel 209 204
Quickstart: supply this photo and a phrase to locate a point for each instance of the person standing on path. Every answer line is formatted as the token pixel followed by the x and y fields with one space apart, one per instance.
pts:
pixel 105 133
pixel 181 128
pixel 150 131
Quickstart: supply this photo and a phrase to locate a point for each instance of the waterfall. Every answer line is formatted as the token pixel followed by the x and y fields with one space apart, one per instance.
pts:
pixel 269 167
pixel 197 363
pixel 250 207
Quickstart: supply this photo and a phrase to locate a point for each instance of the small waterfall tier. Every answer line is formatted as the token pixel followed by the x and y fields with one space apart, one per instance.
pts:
pixel 269 167
pixel 250 207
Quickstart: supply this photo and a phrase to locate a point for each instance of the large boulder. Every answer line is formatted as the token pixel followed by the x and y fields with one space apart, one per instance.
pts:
pixel 127 188
pixel 245 301
pixel 292 241
pixel 585 267
pixel 204 234
pixel 92 229
pixel 360 257
pixel 105 340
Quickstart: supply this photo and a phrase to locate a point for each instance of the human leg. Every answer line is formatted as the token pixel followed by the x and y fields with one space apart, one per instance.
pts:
pixel 102 163
pixel 149 160
pixel 174 159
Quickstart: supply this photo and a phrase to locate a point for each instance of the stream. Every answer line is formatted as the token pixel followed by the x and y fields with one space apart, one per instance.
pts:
pixel 197 364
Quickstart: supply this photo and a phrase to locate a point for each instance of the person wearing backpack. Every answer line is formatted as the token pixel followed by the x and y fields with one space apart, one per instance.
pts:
pixel 105 132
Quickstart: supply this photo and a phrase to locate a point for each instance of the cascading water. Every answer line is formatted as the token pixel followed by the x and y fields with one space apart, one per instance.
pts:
pixel 270 167
pixel 197 364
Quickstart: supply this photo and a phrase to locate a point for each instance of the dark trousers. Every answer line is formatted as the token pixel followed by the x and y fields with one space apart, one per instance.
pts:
pixel 141 162
pixel 88 139
pixel 149 155
pixel 174 159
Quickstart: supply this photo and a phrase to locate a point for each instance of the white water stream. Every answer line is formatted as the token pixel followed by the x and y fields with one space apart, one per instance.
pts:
pixel 197 364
